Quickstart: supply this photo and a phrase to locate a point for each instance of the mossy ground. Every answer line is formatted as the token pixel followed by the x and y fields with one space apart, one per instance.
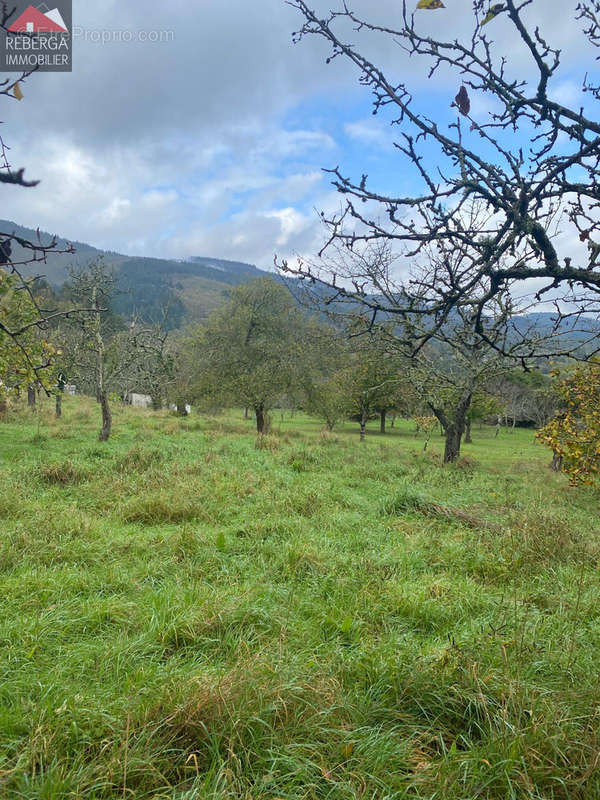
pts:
pixel 187 613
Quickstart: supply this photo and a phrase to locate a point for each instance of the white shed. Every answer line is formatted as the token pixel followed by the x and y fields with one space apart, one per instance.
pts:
pixel 140 400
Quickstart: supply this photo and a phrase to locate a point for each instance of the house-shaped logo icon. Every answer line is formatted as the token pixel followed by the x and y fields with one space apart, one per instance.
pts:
pixel 34 20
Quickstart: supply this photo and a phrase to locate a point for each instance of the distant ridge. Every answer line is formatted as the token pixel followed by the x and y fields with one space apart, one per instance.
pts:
pixel 190 289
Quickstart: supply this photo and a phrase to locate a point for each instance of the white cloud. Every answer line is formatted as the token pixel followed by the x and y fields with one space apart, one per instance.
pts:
pixel 183 147
pixel 373 132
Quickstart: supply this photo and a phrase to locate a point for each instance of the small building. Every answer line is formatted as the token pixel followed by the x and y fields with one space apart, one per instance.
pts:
pixel 139 400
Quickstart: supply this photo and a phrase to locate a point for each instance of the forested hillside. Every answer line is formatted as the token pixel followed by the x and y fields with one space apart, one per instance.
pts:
pixel 150 287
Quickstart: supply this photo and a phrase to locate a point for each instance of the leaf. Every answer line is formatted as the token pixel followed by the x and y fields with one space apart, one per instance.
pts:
pixel 17 91
pixel 462 101
pixel 430 5
pixel 493 12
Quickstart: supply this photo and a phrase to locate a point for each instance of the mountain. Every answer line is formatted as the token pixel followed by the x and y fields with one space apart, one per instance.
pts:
pixel 189 290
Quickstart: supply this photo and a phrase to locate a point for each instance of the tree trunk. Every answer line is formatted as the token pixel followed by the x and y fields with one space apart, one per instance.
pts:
pixel 557 461
pixel 382 425
pixel 106 417
pixel 468 439
pixel 452 449
pixel 454 427
pixel 246 412
pixel 101 390
pixel 260 418
pixel 31 396
pixel 58 405
pixel 363 427
pixel 393 422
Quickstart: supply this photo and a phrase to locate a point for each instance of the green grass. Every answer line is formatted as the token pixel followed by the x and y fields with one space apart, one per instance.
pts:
pixel 187 614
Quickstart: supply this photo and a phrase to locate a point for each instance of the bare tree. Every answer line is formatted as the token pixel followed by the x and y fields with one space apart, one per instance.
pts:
pixel 450 372
pixel 445 360
pixel 502 204
pixel 99 350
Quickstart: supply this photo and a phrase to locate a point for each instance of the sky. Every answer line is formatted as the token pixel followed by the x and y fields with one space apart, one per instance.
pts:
pixel 213 141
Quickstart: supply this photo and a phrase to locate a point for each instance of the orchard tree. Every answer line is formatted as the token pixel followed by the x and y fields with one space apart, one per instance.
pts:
pixel 450 374
pixel 375 370
pixel 574 433
pixel 25 360
pixel 528 397
pixel 249 353
pixel 151 362
pixel 323 373
pixel 498 185
pixel 328 398
pixel 484 404
pixel 90 338
pixel 445 364
pixel 99 351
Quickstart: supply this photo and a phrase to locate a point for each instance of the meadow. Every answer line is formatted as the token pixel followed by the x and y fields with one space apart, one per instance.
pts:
pixel 189 613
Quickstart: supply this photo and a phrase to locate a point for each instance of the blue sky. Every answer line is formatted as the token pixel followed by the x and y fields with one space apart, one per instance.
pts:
pixel 213 143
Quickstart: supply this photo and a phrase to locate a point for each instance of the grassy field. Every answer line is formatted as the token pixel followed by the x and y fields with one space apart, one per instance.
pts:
pixel 186 614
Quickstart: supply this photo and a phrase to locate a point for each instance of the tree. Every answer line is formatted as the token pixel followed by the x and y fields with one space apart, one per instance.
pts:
pixel 153 370
pixel 248 353
pixel 451 372
pixel 99 351
pixel 26 359
pixel 483 404
pixel 373 376
pixel 574 433
pixel 25 316
pixel 527 397
pixel 446 362
pixel 499 188
pixel 322 378
pixel 328 398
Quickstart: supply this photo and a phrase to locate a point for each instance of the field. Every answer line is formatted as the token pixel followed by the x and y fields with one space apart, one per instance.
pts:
pixel 189 614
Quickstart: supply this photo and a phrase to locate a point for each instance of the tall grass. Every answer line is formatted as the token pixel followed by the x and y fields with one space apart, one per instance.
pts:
pixel 187 614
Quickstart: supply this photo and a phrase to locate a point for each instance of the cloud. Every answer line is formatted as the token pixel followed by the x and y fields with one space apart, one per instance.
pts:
pixel 372 132
pixel 213 140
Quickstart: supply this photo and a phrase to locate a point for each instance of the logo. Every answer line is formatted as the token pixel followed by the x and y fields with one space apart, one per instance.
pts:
pixel 38 38
pixel 39 20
